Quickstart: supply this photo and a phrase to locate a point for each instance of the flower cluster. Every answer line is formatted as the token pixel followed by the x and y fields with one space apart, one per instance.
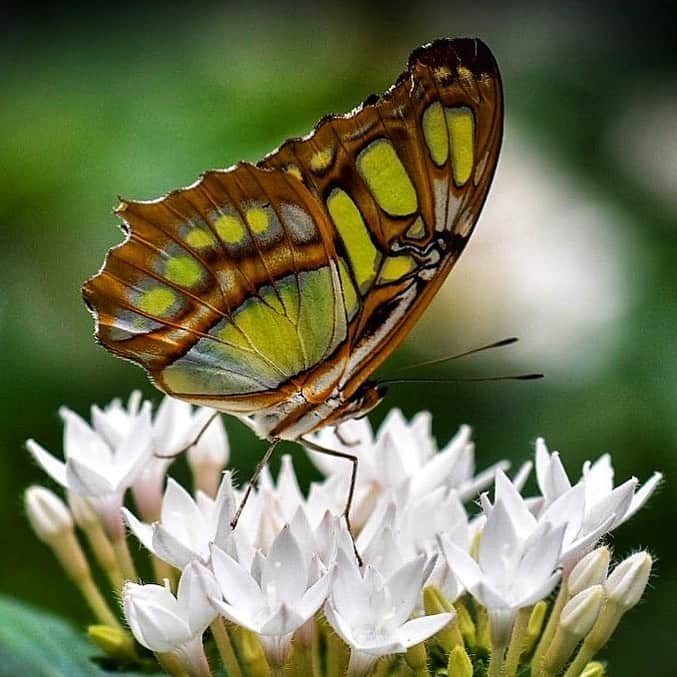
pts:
pixel 428 584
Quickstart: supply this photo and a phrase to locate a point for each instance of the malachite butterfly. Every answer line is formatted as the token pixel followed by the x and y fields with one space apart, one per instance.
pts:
pixel 273 291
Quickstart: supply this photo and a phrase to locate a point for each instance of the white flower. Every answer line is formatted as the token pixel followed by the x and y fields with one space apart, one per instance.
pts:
pixel 95 469
pixel 164 623
pixel 604 507
pixel 187 526
pixel 567 510
pixel 401 455
pixel 371 612
pixel 274 595
pixel 515 567
pixel 601 498
pixel 114 421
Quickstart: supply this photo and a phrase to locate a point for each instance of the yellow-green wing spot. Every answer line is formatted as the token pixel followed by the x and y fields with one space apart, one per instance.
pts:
pixel 363 255
pixel 349 294
pixel 395 268
pixel 417 230
pixel 387 179
pixel 199 238
pixel 258 219
pixel 183 270
pixel 230 229
pixel 261 348
pixel 462 134
pixel 157 301
pixel 435 133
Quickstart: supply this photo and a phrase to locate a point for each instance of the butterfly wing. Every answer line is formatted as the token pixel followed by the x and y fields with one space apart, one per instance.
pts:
pixel 224 291
pixel 404 178
pixel 305 272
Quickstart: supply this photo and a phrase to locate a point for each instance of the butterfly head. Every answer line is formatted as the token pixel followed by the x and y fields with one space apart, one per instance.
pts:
pixel 366 398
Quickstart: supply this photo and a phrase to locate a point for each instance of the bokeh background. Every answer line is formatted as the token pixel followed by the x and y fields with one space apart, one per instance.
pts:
pixel 575 253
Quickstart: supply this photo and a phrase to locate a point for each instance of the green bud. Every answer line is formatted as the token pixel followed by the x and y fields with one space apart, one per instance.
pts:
pixel 460 664
pixel 115 642
pixel 594 669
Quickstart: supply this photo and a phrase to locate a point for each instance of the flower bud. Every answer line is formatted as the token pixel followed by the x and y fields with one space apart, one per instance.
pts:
pixel 627 582
pixel 593 669
pixel 582 610
pixel 535 624
pixel 460 664
pixel 591 570
pixel 48 514
pixel 116 642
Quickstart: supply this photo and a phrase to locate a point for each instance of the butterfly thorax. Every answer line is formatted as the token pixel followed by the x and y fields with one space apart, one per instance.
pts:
pixel 297 417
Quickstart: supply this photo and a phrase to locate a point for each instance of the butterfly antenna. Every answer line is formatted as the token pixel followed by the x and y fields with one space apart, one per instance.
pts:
pixel 441 360
pixel 461 379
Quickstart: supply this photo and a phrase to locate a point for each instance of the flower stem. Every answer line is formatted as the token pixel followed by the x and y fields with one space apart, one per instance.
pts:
pixel 170 664
pixel 124 558
pixel 226 651
pixel 163 571
pixel 103 552
pixel 252 655
pixel 97 603
pixel 516 646
pixel 549 632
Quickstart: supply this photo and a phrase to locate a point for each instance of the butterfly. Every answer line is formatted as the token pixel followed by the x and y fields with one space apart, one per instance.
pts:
pixel 272 291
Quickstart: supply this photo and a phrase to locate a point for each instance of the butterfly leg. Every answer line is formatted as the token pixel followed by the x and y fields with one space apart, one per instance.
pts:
pixel 353 480
pixel 253 480
pixel 343 440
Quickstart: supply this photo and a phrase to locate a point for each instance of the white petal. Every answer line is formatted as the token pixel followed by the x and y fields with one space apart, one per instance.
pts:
pixel 500 544
pixel 238 615
pixel 237 585
pixel 461 563
pixel 282 622
pixel 617 502
pixel 314 597
pixel 540 561
pixel 419 629
pixel 340 624
pixel 405 588
pixel 87 482
pixel 170 549
pixel 567 509
pixel 80 441
pixel 55 468
pixel 436 471
pixel 284 570
pixel 348 591
pixel 180 514
pixel 643 495
pixel 197 586
pixel 143 531
pixel 540 592
pixel 524 522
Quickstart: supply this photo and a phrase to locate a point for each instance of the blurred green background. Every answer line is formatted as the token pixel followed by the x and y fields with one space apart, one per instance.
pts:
pixel 575 252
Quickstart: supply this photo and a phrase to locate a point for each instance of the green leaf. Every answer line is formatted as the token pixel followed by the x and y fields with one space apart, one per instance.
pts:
pixel 39 644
